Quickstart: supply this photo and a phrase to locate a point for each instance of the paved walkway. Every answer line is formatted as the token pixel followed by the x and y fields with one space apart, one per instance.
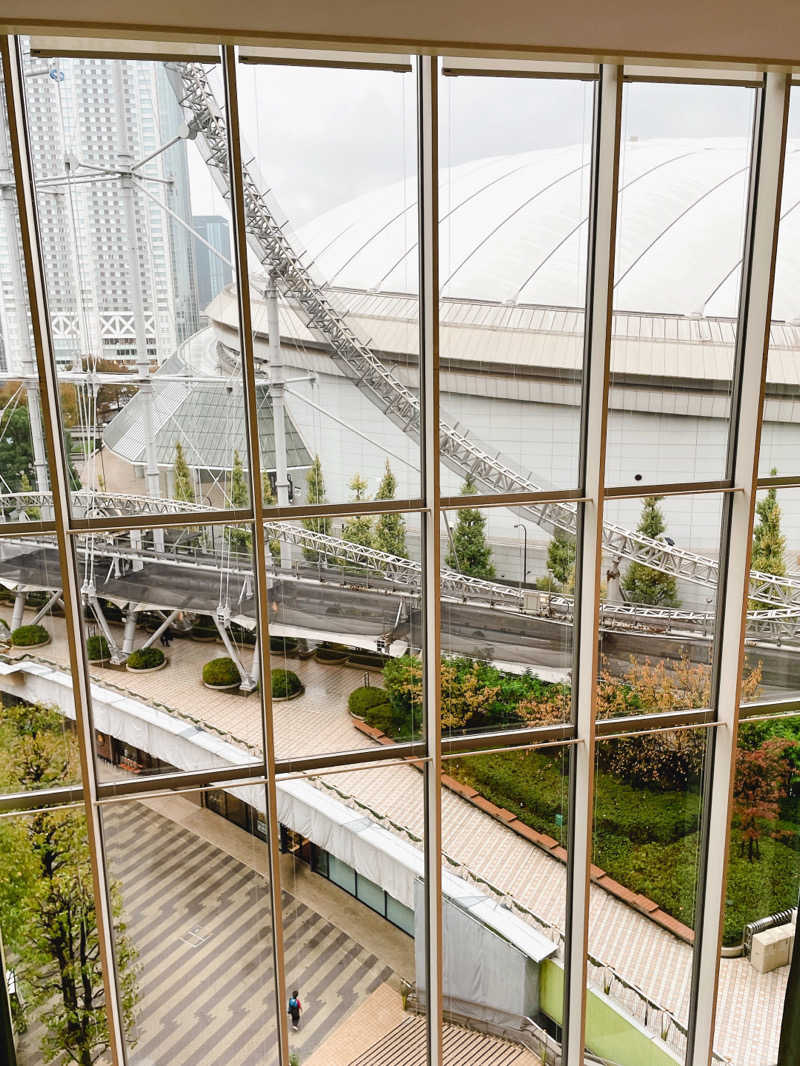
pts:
pixel 199 920
pixel 649 957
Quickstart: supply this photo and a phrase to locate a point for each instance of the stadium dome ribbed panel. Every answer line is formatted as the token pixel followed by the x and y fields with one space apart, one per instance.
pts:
pixel 513 230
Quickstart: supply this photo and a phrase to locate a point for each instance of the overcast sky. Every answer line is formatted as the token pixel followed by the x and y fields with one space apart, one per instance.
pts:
pixel 324 136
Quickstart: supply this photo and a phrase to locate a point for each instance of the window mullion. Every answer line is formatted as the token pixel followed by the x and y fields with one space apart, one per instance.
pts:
pixel 238 212
pixel 755 302
pixel 597 351
pixel 13 76
pixel 427 161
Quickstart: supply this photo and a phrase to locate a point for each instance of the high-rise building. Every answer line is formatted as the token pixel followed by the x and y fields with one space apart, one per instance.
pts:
pixel 213 274
pixel 74 106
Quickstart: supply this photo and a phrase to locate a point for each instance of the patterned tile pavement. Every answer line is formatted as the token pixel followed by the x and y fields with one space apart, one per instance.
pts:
pixel 750 1003
pixel 199 920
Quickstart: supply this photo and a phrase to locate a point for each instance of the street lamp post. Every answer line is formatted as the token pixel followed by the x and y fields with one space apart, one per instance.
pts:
pixel 524 528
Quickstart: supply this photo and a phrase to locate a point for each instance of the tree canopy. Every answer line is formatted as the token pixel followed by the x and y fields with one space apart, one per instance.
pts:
pixel 315 493
pixel 561 553
pixel 358 529
pixel 184 489
pixel 642 583
pixel 47 908
pixel 390 529
pixel 469 551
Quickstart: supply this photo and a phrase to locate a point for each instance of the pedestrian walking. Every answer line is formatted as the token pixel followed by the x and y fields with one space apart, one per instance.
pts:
pixel 294 1009
pixel 166 638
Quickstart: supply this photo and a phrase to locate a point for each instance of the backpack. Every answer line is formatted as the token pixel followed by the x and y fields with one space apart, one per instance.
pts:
pixel 293 1005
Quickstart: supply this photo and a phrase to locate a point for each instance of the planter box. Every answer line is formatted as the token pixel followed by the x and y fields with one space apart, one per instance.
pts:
pixel 99 662
pixel 31 647
pixel 222 688
pixel 146 669
pixel 210 638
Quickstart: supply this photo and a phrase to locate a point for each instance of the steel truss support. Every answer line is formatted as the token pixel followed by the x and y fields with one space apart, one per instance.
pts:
pixel 248 682
pixel 117 654
pixel 597 348
pixel 164 626
pixel 755 304
pixel 51 602
pixel 129 632
pixel 13 76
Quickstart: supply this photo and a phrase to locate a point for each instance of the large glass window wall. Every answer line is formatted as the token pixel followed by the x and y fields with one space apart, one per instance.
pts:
pixel 284 718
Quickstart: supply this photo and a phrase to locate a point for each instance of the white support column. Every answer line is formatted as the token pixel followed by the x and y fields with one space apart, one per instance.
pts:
pixel 13 76
pixel 427 136
pixel 769 148
pixel 129 632
pixel 18 610
pixel 125 162
pixel 597 353
pixel 164 625
pixel 278 396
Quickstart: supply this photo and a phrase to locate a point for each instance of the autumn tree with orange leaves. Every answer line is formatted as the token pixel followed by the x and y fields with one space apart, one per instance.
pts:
pixel 759 787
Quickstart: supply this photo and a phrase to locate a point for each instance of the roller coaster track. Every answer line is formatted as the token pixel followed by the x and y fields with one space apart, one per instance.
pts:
pixel 268 239
pixel 395 574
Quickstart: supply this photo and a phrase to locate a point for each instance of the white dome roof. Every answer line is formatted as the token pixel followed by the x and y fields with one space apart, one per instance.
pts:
pixel 514 229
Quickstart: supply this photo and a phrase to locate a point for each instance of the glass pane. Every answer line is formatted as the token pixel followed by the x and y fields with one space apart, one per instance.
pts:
pixel 507 620
pixel 150 381
pixel 504 835
pixel 515 162
pixel 333 154
pixel 779 441
pixel 24 468
pixel 684 172
pixel 642 904
pixel 191 888
pixel 351 871
pixel 50 940
pixel 763 882
pixel 170 626
pixel 38 741
pixel 657 612
pixel 772 616
pixel 345 621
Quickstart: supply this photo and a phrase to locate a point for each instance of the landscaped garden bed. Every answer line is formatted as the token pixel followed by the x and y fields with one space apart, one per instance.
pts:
pixel 221 674
pixel 146 661
pixel 30 637
pixel 286 685
pixel 97 650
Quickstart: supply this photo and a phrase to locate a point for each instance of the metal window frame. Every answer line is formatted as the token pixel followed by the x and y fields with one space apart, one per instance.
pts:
pixel 583 732
pixel 755 302
pixel 597 357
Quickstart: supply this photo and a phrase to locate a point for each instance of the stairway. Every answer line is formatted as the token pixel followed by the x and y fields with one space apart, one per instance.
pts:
pixel 405 1046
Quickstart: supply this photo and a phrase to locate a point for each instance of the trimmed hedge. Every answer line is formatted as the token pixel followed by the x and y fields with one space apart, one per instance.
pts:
pixel 373 705
pixel 25 636
pixel 361 700
pixel 145 659
pixel 285 683
pixel 97 648
pixel 221 671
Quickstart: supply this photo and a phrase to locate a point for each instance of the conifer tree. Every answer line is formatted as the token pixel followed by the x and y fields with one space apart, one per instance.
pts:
pixel 390 529
pixel 358 529
pixel 643 584
pixel 34 513
pixel 315 493
pixel 268 497
pixel 239 499
pixel 184 489
pixel 769 543
pixel 469 553
pixel 561 557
